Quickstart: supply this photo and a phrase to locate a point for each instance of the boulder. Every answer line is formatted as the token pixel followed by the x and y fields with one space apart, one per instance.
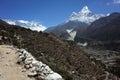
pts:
pixel 54 76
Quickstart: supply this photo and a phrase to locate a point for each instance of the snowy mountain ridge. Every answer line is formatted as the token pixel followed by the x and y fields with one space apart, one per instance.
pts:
pixel 75 24
pixel 27 24
pixel 85 15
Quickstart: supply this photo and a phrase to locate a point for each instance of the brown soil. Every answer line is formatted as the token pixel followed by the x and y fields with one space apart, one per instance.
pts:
pixel 9 70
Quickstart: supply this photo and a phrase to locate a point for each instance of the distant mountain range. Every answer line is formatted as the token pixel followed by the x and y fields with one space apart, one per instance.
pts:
pixel 81 26
pixel 27 24
pixel 75 25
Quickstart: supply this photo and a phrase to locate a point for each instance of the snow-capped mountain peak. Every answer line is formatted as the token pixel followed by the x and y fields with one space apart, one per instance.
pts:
pixel 85 16
pixel 85 10
pixel 27 24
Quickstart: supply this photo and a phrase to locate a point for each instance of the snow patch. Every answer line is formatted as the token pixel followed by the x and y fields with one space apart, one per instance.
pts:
pixel 69 30
pixel 23 21
pixel 72 34
pixel 82 44
pixel 85 10
pixel 10 22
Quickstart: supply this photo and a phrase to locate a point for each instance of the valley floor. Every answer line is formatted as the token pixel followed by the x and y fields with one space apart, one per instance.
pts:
pixel 9 70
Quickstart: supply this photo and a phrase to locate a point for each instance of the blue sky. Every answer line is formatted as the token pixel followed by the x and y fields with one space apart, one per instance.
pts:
pixel 52 12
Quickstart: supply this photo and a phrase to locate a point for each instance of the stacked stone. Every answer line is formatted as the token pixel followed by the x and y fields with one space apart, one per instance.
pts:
pixel 37 68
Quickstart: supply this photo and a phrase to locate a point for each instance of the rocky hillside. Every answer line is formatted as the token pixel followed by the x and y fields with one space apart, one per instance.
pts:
pixel 105 29
pixel 69 61
pixel 68 30
pixel 105 32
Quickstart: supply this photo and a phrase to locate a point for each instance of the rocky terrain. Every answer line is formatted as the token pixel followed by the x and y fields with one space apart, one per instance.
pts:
pixel 71 62
pixel 101 38
pixel 18 64
pixel 9 69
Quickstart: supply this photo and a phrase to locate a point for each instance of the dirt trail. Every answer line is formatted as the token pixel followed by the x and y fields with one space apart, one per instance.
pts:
pixel 9 70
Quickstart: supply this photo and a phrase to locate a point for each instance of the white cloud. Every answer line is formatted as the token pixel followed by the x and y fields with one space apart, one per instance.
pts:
pixel 113 2
pixel 116 1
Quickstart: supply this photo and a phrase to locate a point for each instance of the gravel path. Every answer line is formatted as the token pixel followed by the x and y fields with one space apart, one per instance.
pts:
pixel 9 70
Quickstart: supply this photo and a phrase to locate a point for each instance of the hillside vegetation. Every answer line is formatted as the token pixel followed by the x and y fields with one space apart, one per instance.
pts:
pixel 69 61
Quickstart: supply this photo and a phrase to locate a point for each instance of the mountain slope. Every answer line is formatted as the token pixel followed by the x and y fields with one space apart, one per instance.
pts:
pixel 105 32
pixel 77 23
pixel 107 28
pixel 62 29
pixel 69 61
pixel 27 24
